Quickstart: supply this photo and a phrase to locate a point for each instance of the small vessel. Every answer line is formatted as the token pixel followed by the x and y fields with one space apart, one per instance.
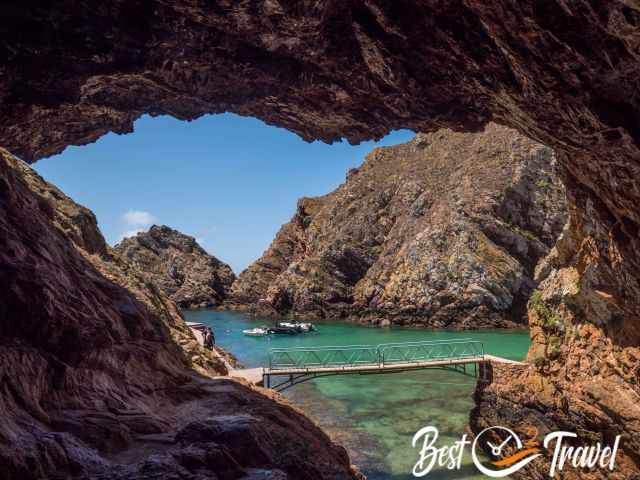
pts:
pixel 196 326
pixel 281 329
pixel 287 324
pixel 298 327
pixel 257 332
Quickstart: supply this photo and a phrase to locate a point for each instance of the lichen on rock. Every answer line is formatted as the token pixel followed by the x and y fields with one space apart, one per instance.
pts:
pixel 584 362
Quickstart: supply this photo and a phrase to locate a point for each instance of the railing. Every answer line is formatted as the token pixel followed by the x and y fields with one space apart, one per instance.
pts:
pixel 363 355
pixel 349 355
pixel 416 352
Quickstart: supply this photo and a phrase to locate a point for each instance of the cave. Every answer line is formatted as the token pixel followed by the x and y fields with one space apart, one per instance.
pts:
pixel 563 73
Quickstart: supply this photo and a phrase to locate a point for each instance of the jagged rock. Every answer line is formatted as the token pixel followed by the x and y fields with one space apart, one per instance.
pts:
pixel 561 72
pixel 80 226
pixel 98 365
pixel 419 234
pixel 180 267
pixel 584 359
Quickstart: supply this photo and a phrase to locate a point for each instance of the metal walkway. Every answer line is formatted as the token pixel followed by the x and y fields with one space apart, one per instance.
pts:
pixel 298 365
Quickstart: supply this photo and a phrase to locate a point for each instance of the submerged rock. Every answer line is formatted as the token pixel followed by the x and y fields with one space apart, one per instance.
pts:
pixel 442 231
pixel 177 264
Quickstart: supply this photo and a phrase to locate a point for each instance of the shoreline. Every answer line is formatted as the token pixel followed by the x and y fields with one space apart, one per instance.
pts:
pixel 355 320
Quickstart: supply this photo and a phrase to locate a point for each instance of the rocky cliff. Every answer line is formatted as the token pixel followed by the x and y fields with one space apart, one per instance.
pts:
pixel 584 361
pixel 99 371
pixel 138 297
pixel 442 231
pixel 180 267
pixel 561 72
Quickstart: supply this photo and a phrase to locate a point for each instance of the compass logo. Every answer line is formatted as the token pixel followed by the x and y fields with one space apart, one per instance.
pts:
pixel 509 452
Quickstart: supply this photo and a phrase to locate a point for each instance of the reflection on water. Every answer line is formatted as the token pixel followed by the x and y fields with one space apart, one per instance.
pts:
pixel 374 416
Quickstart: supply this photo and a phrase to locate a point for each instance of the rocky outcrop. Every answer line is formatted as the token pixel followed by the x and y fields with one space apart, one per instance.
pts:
pixel 180 267
pixel 420 234
pixel 584 359
pixel 99 371
pixel 561 72
pixel 107 271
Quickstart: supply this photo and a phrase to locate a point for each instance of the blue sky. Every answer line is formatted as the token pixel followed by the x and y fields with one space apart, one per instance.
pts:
pixel 229 181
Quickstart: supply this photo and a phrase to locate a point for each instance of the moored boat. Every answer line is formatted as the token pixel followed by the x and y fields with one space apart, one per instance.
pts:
pixel 257 332
pixel 298 327
pixel 283 330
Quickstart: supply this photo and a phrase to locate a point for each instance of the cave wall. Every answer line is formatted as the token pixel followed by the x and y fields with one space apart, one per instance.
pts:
pixel 101 378
pixel 72 341
pixel 564 72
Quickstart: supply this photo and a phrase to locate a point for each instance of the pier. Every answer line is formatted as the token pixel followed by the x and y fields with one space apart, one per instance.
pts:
pixel 291 366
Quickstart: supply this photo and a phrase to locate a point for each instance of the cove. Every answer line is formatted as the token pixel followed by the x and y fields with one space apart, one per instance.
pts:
pixel 373 416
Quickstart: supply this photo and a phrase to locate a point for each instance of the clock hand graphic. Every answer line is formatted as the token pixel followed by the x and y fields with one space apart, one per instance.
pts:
pixel 507 462
pixel 496 451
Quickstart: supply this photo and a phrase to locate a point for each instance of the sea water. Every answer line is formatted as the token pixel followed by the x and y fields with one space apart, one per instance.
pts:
pixel 374 416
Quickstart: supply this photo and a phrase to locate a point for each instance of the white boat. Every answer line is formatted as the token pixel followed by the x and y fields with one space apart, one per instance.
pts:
pixel 256 332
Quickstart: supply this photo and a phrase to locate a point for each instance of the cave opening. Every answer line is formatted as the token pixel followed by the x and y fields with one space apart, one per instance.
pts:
pixel 228 181
pixel 232 182
pixel 119 171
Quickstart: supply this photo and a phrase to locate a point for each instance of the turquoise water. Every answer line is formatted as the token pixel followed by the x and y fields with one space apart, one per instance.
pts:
pixel 374 416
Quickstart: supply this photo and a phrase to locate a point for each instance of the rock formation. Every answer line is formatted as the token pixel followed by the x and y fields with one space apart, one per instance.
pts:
pixel 442 231
pixel 98 369
pixel 180 267
pixel 584 357
pixel 561 72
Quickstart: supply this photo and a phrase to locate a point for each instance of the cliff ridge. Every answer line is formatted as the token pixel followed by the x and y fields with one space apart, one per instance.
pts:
pixel 442 231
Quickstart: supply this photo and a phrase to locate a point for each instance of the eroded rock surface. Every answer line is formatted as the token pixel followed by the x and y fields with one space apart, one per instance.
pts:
pixel 584 358
pixel 561 72
pixel 443 231
pixel 98 369
pixel 180 267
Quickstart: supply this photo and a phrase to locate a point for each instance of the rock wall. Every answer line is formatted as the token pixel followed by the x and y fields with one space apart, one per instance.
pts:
pixel 78 224
pixel 584 357
pixel 563 72
pixel 98 369
pixel 442 231
pixel 180 267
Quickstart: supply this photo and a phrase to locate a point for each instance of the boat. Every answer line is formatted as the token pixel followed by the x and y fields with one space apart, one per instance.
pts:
pixel 197 326
pixel 282 330
pixel 257 332
pixel 299 327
